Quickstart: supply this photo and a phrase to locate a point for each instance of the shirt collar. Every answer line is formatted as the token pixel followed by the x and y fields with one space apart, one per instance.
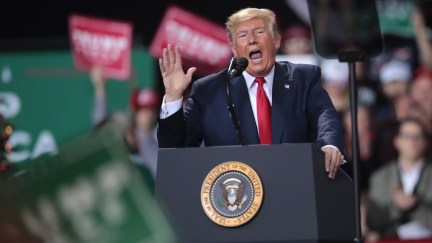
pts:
pixel 415 170
pixel 250 79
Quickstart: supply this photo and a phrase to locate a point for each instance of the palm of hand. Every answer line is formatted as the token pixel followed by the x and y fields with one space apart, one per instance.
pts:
pixel 174 78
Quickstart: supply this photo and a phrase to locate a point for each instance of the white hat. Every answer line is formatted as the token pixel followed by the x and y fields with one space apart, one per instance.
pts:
pixel 395 70
pixel 334 72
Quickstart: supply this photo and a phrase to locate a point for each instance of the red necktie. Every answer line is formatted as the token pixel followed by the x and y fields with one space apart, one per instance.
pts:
pixel 264 113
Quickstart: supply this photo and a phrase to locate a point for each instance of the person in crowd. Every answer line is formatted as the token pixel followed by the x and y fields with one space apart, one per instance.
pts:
pixel 296 45
pixel 400 197
pixel 296 40
pixel 366 88
pixel 335 81
pixel 366 141
pixel 395 78
pixel 421 90
pixel 141 134
pixel 275 102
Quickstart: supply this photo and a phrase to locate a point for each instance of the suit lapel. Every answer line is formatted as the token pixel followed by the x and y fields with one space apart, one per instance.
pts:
pixel 280 95
pixel 243 109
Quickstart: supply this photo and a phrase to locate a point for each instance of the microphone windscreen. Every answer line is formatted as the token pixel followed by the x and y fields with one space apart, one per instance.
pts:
pixel 242 63
pixel 237 66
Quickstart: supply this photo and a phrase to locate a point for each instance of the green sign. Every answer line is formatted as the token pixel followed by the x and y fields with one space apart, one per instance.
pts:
pixel 395 17
pixel 49 101
pixel 88 193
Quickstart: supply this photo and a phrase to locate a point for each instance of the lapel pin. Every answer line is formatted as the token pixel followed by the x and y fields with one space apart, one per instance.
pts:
pixel 286 86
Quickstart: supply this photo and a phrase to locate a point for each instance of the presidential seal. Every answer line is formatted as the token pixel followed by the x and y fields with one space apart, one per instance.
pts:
pixel 231 194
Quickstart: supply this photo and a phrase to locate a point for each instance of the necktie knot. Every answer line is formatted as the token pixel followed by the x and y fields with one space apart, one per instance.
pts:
pixel 260 81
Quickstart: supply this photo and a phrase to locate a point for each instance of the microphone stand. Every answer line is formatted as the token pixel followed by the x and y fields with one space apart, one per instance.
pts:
pixel 232 112
pixel 351 57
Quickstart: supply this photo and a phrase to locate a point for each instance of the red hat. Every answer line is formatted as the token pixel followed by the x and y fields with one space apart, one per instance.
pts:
pixel 296 31
pixel 423 71
pixel 144 98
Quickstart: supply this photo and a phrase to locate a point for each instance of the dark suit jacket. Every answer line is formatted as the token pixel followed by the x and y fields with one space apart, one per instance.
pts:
pixel 301 112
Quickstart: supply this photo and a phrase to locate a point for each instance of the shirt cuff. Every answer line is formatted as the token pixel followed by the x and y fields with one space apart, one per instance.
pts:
pixel 332 146
pixel 170 108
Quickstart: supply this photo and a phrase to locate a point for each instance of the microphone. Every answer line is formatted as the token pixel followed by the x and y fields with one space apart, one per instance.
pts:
pixel 237 66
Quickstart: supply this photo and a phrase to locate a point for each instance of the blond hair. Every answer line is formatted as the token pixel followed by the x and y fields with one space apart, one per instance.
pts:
pixel 267 15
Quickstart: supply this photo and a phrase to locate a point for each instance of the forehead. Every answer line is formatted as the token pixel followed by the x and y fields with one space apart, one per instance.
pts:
pixel 249 24
pixel 423 81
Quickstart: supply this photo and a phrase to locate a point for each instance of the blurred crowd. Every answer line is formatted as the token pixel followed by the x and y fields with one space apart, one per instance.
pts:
pixel 394 126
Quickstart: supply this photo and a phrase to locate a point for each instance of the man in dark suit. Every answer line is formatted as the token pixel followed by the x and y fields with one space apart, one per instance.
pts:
pixel 301 110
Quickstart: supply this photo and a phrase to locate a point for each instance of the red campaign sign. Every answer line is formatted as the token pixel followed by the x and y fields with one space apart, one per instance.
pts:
pixel 202 43
pixel 103 42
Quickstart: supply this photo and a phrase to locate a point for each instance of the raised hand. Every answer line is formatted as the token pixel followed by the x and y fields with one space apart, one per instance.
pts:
pixel 98 80
pixel 174 78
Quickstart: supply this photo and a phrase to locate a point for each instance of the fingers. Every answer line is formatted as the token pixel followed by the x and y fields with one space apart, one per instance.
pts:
pixel 170 52
pixel 165 60
pixel 333 160
pixel 327 160
pixel 170 59
pixel 177 60
pixel 161 66
pixel 332 165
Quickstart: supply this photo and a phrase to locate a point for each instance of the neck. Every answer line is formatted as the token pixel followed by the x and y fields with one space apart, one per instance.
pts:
pixel 408 164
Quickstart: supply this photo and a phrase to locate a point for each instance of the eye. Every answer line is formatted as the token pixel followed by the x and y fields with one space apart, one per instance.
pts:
pixel 259 31
pixel 241 35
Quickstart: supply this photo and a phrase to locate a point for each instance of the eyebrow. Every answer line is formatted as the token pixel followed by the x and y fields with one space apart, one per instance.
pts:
pixel 254 29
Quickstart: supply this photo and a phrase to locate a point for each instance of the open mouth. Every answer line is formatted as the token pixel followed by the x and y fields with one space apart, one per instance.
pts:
pixel 255 56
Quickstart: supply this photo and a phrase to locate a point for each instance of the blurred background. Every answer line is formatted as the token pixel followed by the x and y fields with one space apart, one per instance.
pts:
pixel 38 71
pixel 48 101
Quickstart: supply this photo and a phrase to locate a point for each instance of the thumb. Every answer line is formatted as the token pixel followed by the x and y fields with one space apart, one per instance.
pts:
pixel 190 72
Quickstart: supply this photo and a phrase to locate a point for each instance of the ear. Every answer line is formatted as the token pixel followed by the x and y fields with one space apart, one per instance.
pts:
pixel 277 42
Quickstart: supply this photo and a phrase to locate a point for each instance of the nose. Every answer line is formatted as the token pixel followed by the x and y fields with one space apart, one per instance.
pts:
pixel 251 38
